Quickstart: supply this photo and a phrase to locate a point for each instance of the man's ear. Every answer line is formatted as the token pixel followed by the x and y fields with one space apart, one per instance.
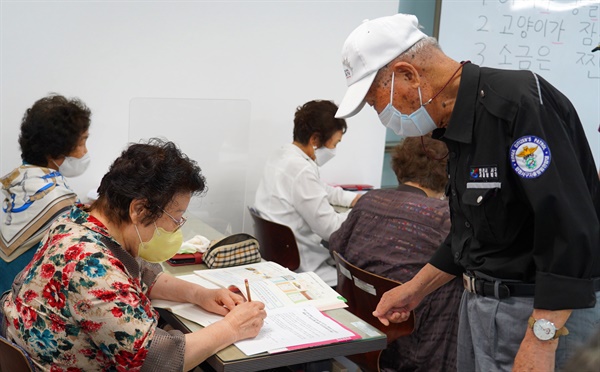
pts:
pixel 137 210
pixel 406 73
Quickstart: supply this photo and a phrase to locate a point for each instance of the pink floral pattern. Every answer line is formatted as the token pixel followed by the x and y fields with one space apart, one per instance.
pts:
pixel 78 308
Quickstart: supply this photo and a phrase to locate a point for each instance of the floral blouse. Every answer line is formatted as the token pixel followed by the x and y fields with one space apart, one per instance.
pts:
pixel 82 304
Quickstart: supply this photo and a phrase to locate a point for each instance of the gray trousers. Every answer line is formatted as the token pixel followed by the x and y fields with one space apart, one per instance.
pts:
pixel 491 330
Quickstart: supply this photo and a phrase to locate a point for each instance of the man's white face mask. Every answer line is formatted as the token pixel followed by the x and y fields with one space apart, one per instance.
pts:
pixel 416 124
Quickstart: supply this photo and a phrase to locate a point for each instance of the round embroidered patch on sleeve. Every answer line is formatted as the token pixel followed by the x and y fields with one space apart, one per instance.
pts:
pixel 530 156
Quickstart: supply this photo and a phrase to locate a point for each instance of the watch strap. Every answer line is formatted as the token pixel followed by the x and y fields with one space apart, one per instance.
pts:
pixel 561 332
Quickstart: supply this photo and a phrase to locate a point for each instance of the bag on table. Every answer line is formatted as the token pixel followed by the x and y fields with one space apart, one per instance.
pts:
pixel 233 250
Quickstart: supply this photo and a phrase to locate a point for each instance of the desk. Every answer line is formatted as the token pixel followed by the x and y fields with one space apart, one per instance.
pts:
pixel 231 359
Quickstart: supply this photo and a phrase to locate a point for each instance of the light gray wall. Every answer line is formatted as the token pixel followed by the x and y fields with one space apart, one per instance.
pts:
pixel 277 55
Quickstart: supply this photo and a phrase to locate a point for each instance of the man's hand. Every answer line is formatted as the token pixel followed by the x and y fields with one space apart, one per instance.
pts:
pixel 396 304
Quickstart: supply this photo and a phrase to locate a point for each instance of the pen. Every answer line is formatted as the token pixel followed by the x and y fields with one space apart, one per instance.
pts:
pixel 248 289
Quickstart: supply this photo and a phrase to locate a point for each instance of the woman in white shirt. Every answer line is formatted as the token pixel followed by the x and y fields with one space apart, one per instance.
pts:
pixel 291 191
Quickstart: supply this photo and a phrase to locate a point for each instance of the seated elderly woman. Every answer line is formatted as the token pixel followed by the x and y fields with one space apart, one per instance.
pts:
pixel 394 233
pixel 53 139
pixel 291 191
pixel 83 303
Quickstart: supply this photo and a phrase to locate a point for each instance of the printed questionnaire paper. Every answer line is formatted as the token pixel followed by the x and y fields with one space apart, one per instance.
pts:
pixel 295 328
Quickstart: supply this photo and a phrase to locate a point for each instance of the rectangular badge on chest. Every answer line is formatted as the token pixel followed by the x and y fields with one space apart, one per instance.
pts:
pixel 483 173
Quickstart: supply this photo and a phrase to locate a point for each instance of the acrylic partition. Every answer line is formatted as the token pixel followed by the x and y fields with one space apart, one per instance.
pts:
pixel 212 132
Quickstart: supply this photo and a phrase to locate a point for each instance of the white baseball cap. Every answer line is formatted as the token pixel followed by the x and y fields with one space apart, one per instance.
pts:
pixel 369 47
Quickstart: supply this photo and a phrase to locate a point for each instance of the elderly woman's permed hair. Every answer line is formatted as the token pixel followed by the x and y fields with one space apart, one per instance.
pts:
pixel 52 127
pixel 155 172
pixel 421 160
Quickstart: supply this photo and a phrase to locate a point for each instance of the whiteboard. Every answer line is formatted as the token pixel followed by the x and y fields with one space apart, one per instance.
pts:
pixel 553 38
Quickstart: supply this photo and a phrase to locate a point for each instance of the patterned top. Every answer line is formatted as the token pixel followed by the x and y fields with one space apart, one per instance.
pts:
pixel 32 198
pixel 82 304
pixel 394 233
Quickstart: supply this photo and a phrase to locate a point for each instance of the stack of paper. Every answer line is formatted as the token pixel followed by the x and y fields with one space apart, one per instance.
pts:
pixel 277 286
pixel 290 328
pixel 293 302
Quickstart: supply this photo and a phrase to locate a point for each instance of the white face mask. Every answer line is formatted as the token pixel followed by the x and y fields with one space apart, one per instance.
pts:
pixel 323 155
pixel 416 124
pixel 73 167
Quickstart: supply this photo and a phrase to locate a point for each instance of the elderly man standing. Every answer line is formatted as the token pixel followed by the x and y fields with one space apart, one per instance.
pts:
pixel 523 190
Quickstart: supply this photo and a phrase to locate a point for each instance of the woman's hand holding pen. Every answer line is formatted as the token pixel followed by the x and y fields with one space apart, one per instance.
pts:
pixel 246 319
pixel 241 320
pixel 251 319
pixel 218 301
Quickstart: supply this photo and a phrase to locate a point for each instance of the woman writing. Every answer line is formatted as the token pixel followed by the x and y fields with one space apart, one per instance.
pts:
pixel 83 303
pixel 291 191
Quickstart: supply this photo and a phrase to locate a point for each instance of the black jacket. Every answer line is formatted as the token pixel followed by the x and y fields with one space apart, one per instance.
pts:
pixel 524 190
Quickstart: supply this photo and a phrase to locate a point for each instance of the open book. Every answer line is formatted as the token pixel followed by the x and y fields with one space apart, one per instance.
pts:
pixel 277 286
pixel 292 301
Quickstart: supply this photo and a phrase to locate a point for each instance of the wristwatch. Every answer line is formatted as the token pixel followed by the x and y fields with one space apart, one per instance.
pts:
pixel 545 330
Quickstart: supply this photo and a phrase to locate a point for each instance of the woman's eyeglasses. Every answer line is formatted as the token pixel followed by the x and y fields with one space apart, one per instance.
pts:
pixel 179 223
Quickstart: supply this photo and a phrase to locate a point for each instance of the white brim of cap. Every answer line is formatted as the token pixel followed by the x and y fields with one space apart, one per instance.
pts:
pixel 354 99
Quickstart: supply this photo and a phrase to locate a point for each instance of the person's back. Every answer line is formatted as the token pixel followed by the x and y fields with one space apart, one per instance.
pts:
pixel 394 233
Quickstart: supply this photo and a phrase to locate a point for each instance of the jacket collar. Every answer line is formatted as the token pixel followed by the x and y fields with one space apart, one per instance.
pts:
pixel 411 189
pixel 460 126
pixel 298 150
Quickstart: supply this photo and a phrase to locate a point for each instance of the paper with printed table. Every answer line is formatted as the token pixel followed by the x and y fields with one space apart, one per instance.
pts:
pixel 277 286
pixel 292 301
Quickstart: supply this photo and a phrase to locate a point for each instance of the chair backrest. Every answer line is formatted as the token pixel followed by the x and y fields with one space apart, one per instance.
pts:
pixel 363 290
pixel 13 358
pixel 277 242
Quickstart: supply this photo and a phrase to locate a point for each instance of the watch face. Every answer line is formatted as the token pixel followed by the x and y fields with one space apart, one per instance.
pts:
pixel 544 329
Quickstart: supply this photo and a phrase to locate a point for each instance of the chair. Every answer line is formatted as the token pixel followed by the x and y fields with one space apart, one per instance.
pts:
pixel 277 242
pixel 363 290
pixel 13 358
